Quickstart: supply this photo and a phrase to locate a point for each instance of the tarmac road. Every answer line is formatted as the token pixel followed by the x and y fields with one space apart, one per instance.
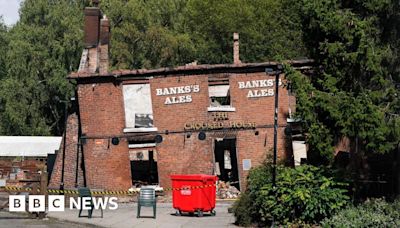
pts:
pixel 21 220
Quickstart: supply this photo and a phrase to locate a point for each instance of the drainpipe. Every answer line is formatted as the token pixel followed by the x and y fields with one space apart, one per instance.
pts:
pixel 79 143
pixel 276 73
pixel 79 139
pixel 64 143
pixel 275 128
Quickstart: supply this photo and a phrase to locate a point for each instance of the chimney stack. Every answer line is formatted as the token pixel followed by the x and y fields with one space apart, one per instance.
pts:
pixel 104 41
pixel 96 38
pixel 95 3
pixel 236 59
pixel 92 26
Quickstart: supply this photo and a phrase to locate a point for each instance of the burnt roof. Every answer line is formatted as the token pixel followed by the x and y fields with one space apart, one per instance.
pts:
pixel 303 64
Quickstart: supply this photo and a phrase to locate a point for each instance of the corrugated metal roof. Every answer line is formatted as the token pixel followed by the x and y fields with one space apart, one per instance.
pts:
pixel 28 146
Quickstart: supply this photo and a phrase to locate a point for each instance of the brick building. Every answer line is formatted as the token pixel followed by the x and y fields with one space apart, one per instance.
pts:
pixel 141 126
pixel 23 157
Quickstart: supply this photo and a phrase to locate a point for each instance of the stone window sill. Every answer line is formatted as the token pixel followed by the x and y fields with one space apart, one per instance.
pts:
pixel 142 129
pixel 143 145
pixel 222 109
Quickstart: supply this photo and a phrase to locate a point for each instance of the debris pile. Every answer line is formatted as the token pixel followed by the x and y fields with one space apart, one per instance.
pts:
pixel 227 191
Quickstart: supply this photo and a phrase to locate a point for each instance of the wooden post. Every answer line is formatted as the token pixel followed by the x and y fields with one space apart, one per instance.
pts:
pixel 43 188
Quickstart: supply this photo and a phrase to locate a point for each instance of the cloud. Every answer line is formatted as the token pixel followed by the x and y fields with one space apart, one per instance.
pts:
pixel 9 11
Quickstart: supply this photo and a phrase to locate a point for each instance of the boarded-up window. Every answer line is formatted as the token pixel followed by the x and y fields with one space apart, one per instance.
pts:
pixel 138 106
pixel 219 95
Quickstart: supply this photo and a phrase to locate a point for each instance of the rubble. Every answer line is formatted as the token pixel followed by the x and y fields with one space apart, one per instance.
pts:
pixel 226 191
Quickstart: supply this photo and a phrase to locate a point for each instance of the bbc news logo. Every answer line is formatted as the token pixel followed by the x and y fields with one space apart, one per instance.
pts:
pixel 37 203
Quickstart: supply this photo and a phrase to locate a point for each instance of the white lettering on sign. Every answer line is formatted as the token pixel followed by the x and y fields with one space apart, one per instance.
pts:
pixel 179 99
pixel 256 84
pixel 178 90
pixel 259 84
pixel 261 93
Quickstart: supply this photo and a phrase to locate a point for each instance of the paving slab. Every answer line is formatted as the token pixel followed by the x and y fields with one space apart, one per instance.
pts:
pixel 125 217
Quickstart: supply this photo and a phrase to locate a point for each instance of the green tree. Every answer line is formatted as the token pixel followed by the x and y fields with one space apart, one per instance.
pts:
pixel 44 46
pixel 269 29
pixel 3 51
pixel 352 92
pixel 147 34
pixel 158 33
pixel 303 196
pixel 3 47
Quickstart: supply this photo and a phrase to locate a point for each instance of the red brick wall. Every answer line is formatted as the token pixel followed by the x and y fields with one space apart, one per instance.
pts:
pixel 174 116
pixel 257 147
pixel 182 155
pixel 178 154
pixel 70 158
pixel 32 165
pixel 260 110
pixel 102 116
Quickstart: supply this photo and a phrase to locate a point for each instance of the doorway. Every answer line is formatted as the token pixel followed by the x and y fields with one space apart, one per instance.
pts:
pixel 226 167
pixel 144 167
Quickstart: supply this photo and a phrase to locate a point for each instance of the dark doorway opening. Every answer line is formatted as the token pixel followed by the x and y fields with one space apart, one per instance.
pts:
pixel 144 168
pixel 51 160
pixel 226 161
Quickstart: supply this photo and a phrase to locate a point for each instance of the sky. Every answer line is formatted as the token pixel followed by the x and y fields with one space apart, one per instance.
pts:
pixel 9 11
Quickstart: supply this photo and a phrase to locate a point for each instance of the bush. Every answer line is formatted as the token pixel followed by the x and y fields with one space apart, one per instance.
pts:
pixel 241 210
pixel 302 195
pixel 372 213
pixel 244 209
